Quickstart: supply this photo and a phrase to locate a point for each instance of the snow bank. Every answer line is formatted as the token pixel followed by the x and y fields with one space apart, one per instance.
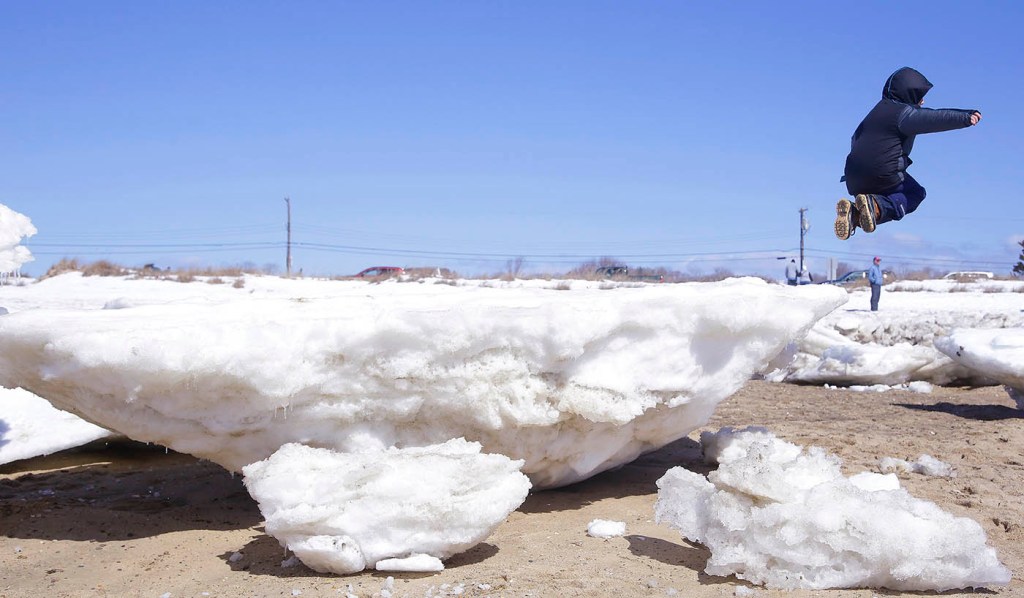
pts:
pixel 996 354
pixel 397 509
pixel 571 382
pixel 781 516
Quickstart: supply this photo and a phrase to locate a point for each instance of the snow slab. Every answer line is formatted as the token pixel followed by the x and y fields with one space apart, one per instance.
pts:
pixel 31 427
pixel 996 354
pixel 572 382
pixel 344 512
pixel 778 515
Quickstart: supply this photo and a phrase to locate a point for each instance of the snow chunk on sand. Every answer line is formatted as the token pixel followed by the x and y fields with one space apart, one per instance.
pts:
pixel 779 515
pixel 344 512
pixel 417 563
pixel 602 528
pixel 925 465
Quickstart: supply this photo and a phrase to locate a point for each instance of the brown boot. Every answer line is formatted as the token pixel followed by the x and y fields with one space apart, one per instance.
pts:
pixel 869 212
pixel 846 219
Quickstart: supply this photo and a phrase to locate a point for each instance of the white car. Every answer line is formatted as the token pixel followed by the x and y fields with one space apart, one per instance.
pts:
pixel 969 276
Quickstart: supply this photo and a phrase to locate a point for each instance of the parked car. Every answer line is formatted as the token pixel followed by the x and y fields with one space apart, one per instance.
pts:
pixel 612 271
pixel 850 278
pixel 969 276
pixel 854 277
pixel 381 272
pixel 624 273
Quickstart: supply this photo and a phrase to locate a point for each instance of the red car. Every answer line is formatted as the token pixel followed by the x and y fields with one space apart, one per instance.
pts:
pixel 381 272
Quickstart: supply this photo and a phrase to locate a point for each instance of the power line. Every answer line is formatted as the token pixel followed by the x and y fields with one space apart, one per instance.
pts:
pixel 575 252
pixel 503 255
pixel 689 240
pixel 183 246
pixel 180 234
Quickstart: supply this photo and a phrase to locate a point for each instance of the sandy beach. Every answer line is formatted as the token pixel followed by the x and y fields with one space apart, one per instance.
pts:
pixel 126 519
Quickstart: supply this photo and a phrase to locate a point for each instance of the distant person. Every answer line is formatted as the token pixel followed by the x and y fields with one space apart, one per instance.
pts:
pixel 876 168
pixel 875 278
pixel 792 273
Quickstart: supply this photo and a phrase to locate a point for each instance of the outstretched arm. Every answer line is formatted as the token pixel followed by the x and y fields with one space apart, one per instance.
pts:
pixel 915 121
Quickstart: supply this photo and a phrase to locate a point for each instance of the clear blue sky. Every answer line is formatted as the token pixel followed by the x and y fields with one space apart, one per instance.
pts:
pixel 463 134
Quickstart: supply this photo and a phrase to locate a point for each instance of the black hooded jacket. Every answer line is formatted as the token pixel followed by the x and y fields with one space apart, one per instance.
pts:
pixel 880 148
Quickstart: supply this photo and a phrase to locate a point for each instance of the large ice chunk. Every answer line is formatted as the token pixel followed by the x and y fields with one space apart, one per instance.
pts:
pixel 997 354
pixel 31 427
pixel 896 346
pixel 343 512
pixel 778 515
pixel 572 382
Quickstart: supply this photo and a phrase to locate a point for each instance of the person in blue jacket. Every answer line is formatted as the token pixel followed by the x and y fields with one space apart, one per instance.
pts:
pixel 876 168
pixel 876 279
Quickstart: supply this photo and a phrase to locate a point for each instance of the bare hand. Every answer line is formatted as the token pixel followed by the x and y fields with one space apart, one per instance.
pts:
pixel 975 118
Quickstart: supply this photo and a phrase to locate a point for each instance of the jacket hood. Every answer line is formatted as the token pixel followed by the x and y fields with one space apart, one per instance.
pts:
pixel 906 85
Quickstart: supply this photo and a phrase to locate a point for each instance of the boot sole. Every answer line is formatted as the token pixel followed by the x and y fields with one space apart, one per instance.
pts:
pixel 867 213
pixel 843 226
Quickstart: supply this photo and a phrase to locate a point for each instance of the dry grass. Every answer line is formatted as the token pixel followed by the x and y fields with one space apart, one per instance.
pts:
pixel 64 265
pixel 104 268
pixel 907 287
pixel 193 273
pixel 421 273
pixel 107 268
pixel 98 268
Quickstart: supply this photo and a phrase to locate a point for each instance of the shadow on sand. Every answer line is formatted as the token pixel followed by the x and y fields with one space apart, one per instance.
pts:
pixel 976 412
pixel 120 490
pixel 632 479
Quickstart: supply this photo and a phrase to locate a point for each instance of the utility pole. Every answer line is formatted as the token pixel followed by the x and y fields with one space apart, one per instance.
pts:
pixel 804 226
pixel 288 255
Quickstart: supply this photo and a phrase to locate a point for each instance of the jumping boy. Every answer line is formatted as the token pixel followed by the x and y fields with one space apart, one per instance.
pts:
pixel 876 169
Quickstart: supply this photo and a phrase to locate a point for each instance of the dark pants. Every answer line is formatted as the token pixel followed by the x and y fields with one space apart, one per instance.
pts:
pixel 899 201
pixel 876 292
